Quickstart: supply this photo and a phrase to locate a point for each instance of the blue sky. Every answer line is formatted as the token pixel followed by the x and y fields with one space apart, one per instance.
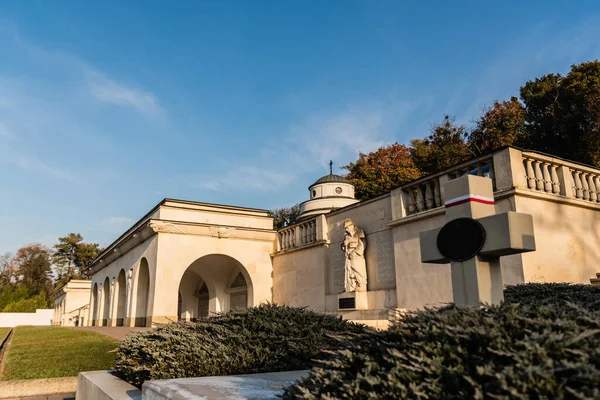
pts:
pixel 108 107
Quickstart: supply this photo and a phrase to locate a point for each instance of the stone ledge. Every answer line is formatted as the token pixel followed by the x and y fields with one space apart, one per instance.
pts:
pixel 240 387
pixel 103 385
pixel 37 387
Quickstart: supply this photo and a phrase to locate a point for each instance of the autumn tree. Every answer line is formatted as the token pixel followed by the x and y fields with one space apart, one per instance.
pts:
pixel 501 125
pixel 283 217
pixel 444 147
pixel 33 267
pixel 72 257
pixel 8 271
pixel 380 171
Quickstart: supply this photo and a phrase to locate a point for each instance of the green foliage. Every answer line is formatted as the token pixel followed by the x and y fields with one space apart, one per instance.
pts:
pixel 283 217
pixel 28 305
pixel 443 148
pixel 72 257
pixel 266 338
pixel 501 125
pixel 378 172
pixel 12 294
pixel 538 344
pixel 563 113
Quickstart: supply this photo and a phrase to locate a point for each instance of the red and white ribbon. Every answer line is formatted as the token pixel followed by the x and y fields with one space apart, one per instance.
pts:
pixel 469 198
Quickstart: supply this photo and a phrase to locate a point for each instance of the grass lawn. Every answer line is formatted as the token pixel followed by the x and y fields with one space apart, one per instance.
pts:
pixel 52 352
pixel 3 332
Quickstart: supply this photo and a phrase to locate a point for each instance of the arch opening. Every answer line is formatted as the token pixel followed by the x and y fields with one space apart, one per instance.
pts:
pixel 212 284
pixel 95 305
pixel 143 291
pixel 106 302
pixel 121 293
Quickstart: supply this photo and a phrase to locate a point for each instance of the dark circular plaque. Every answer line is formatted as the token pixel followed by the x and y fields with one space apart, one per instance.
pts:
pixel 461 239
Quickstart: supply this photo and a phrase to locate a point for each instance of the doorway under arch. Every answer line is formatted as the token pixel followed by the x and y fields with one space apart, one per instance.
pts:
pixel 143 291
pixel 95 305
pixel 106 302
pixel 212 284
pixel 121 299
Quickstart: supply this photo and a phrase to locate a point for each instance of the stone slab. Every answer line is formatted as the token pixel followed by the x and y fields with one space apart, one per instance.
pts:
pixel 37 387
pixel 103 385
pixel 235 387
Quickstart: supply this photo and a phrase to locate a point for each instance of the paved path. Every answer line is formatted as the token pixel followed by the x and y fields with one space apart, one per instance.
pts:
pixel 62 396
pixel 116 332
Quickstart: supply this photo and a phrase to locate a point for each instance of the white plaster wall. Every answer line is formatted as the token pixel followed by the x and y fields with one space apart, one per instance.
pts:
pixel 567 239
pixel 214 217
pixel 130 260
pixel 300 277
pixel 41 317
pixel 177 252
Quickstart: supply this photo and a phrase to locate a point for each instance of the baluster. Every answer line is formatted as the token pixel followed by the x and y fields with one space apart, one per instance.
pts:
pixel 437 196
pixel 547 179
pixel 593 189
pixel 539 179
pixel 578 185
pixel 554 177
pixel 281 244
pixel 288 239
pixel 585 186
pixel 283 240
pixel 420 199
pixel 597 186
pixel 529 174
pixel 428 196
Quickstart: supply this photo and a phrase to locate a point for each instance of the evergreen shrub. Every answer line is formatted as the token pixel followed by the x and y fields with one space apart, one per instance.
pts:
pixel 543 342
pixel 267 338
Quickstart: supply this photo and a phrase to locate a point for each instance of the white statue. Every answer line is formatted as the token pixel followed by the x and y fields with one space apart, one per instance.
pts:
pixel 354 246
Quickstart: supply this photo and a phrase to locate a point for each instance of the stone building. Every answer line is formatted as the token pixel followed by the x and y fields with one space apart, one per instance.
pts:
pixel 187 259
pixel 72 303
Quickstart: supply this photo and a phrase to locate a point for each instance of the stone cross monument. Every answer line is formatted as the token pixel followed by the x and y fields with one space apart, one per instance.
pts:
pixel 473 240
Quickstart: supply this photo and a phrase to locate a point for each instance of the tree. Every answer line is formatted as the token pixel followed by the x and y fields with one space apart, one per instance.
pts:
pixel 27 305
pixel 380 171
pixel 8 271
pixel 443 148
pixel 33 266
pixel 72 257
pixel 563 113
pixel 501 125
pixel 283 217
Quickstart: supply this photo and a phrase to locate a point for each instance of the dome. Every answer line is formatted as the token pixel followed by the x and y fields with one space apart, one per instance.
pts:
pixel 331 178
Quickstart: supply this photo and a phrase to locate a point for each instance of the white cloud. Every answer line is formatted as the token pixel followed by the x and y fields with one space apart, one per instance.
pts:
pixel 112 92
pixel 308 146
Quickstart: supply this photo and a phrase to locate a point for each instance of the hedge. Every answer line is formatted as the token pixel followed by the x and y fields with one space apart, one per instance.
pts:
pixel 543 342
pixel 266 338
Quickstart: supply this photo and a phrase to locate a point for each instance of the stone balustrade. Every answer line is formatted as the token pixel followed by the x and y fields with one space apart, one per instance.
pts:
pixel 560 177
pixel 426 193
pixel 301 234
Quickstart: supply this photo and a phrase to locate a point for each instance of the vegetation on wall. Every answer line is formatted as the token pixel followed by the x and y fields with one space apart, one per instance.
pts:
pixel 266 338
pixel 543 342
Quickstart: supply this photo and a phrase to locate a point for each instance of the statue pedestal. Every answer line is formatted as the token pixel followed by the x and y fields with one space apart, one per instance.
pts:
pixel 353 301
